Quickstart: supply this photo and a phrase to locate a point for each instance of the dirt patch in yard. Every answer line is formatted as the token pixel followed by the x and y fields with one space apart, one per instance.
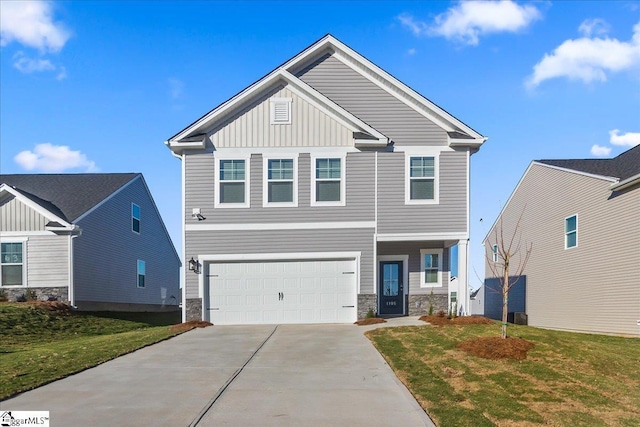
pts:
pixel 370 321
pixel 192 324
pixel 497 348
pixel 462 320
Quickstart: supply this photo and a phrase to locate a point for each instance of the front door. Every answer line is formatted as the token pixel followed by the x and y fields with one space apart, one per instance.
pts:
pixel 391 289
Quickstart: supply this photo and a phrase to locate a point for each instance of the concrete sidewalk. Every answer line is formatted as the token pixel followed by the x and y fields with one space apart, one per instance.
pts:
pixel 302 375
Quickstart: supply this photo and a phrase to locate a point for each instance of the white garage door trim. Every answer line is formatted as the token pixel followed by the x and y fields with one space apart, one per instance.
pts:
pixel 205 260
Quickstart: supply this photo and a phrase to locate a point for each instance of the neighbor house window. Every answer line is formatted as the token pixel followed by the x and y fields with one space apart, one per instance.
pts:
pixel 135 218
pixel 141 273
pixel 280 186
pixel 280 111
pixel 422 180
pixel 494 254
pixel 12 263
pixel 328 183
pixel 431 267
pixel 571 232
pixel 232 183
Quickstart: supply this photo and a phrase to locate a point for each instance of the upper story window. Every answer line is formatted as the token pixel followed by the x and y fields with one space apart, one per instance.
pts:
pixel 12 262
pixel 142 274
pixel 571 232
pixel 135 218
pixel 328 181
pixel 494 253
pixel 280 111
pixel 280 181
pixel 232 183
pixel 431 267
pixel 421 179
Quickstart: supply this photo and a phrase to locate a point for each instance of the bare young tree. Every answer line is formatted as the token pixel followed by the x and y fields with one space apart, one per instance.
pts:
pixel 507 259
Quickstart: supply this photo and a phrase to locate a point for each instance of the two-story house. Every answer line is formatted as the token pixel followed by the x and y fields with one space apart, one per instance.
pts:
pixel 326 189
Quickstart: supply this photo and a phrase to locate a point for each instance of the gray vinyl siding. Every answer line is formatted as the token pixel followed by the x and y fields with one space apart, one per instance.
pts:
pixel 593 287
pixel 282 241
pixel 413 250
pixel 449 215
pixel 251 127
pixel 106 254
pixel 47 261
pixel 16 216
pixel 360 193
pixel 372 104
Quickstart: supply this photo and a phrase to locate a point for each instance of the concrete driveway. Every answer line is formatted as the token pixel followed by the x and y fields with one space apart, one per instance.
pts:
pixel 302 375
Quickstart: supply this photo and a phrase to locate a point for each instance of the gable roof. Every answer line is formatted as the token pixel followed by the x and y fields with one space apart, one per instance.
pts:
pixel 459 133
pixel 67 196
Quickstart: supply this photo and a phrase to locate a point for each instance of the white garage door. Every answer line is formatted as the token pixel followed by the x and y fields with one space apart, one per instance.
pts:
pixel 276 292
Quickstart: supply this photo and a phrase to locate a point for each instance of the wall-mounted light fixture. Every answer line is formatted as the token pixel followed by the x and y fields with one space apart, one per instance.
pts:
pixel 194 266
pixel 197 214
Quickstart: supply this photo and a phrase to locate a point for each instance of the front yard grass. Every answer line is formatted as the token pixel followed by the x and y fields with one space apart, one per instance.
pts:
pixel 41 343
pixel 567 379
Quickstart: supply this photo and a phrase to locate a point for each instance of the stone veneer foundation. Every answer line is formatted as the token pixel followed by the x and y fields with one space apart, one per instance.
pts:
pixel 194 309
pixel 419 304
pixel 60 293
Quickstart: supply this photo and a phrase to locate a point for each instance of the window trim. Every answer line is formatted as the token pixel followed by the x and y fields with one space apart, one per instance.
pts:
pixel 247 182
pixel 343 179
pixel 272 110
pixel 266 181
pixel 440 253
pixel 494 253
pixel 143 274
pixel 22 241
pixel 566 233
pixel 134 219
pixel 436 179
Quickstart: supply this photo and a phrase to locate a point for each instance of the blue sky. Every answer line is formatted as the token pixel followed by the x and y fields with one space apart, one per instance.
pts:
pixel 99 86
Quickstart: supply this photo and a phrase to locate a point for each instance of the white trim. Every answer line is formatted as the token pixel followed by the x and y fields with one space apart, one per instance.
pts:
pixel 265 179
pixel 33 205
pixel 407 180
pixel 109 197
pixel 247 182
pixel 279 256
pixel 405 277
pixel 279 226
pixel 26 233
pixel 72 290
pixel 24 242
pixel 566 234
pixel 468 190
pixel 415 237
pixel 272 110
pixel 238 152
pixel 626 183
pixel 16 239
pixel 343 178
pixel 183 270
pixel 434 251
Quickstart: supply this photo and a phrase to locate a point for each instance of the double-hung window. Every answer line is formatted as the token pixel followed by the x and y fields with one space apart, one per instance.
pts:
pixel 135 218
pixel 232 185
pixel 421 179
pixel 280 181
pixel 12 263
pixel 431 267
pixel 142 274
pixel 328 183
pixel 571 232
pixel 494 253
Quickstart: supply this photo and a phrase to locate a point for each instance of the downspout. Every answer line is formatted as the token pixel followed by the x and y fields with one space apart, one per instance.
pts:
pixel 375 231
pixel 72 291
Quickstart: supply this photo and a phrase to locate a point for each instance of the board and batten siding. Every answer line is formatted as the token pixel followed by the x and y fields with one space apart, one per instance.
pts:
pixel 449 215
pixel 594 287
pixel 251 127
pixel 47 261
pixel 360 193
pixel 372 104
pixel 16 216
pixel 282 241
pixel 106 254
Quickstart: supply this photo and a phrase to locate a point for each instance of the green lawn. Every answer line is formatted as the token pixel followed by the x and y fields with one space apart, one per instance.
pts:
pixel 39 346
pixel 568 379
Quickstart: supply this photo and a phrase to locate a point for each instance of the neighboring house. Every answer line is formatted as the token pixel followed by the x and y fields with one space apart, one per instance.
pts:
pixel 583 219
pixel 95 240
pixel 322 191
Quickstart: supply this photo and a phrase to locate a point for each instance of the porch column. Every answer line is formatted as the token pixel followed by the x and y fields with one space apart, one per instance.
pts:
pixel 463 276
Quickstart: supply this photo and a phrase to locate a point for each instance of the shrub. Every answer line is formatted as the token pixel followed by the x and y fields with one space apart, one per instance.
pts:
pixel 370 314
pixel 441 313
pixel 431 303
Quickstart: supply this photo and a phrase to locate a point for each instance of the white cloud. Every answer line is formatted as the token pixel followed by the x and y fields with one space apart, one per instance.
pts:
pixel 30 65
pixel 588 59
pixel 468 20
pixel 411 51
pixel 54 158
pixel 595 26
pixel 30 23
pixel 630 139
pixel 600 151
pixel 176 87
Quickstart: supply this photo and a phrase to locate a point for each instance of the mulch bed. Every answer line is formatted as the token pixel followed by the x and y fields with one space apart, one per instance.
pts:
pixel 51 305
pixel 497 347
pixel 370 321
pixel 192 324
pixel 461 320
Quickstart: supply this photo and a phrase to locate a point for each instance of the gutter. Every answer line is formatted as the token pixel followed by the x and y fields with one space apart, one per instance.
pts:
pixel 632 180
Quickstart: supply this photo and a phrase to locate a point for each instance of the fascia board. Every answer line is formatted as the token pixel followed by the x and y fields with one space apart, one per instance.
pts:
pixel 178 147
pixel 577 172
pixel 632 180
pixel 35 206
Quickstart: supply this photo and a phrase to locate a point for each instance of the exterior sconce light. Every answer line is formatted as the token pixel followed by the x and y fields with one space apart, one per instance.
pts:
pixel 194 266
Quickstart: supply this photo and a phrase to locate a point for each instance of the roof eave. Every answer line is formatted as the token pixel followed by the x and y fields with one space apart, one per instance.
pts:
pixel 179 146
pixel 632 180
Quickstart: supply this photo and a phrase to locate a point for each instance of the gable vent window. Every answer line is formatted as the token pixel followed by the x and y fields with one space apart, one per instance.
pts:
pixel 281 111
